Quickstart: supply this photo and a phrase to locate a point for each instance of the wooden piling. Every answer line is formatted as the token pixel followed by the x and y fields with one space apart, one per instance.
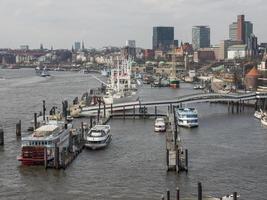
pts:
pixel 104 110
pixel 45 157
pixel 235 196
pixel 98 111
pixel 1 137
pixel 123 112
pixel 186 160
pixel 177 194
pixel 134 112
pixel 91 121
pixel 63 158
pixel 111 109
pixel 228 104
pixel 199 191
pixel 177 160
pixel 167 159
pixel 232 103
pixel 168 195
pixel 82 130
pixel 156 112
pixel 35 121
pixel 18 129
pixel 56 159
pixel 44 109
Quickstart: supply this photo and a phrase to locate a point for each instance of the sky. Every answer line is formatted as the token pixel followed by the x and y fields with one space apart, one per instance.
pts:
pixel 59 23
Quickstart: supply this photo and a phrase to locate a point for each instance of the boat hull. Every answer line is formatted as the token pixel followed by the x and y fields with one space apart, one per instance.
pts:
pixel 95 146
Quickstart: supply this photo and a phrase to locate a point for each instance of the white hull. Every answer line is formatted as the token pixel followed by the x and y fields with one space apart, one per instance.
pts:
pixel 188 125
pixel 258 115
pixel 95 146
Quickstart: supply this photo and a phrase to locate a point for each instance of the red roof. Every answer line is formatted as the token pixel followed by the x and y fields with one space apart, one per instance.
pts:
pixel 253 73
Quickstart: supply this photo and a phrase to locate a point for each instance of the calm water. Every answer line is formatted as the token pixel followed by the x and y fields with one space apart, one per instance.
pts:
pixel 227 152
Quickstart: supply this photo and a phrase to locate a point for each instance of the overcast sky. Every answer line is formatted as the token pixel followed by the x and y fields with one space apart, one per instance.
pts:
pixel 111 22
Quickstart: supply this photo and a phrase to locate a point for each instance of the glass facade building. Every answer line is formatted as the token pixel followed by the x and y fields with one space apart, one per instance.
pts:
pixel 163 38
pixel 200 37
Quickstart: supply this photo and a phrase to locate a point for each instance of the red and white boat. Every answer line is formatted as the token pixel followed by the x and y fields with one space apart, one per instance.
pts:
pixel 44 138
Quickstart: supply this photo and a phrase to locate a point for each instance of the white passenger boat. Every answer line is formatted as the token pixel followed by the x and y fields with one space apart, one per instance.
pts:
pixel 160 125
pixel 187 117
pixel 98 137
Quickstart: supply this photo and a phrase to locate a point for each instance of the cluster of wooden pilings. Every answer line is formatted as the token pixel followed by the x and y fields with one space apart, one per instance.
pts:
pixel 236 106
pixel 199 195
pixel 176 155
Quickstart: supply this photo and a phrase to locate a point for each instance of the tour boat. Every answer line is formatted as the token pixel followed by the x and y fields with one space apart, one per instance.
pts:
pixel 46 137
pixel 98 137
pixel 187 117
pixel 160 125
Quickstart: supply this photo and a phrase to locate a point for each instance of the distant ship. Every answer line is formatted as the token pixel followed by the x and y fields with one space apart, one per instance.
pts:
pixel 42 72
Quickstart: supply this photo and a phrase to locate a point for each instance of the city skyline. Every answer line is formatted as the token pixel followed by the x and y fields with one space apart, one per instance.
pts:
pixel 102 23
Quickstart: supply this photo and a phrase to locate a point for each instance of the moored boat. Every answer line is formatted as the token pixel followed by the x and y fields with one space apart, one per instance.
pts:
pixel 187 117
pixel 160 125
pixel 264 120
pixel 44 138
pixel 98 137
pixel 259 114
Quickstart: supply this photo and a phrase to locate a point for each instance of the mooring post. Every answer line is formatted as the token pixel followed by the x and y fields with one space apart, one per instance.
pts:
pixel 186 160
pixel 177 194
pixel 228 103
pixel 18 129
pixel 170 108
pixel 1 137
pixel 167 159
pixel 134 111
pixel 232 107
pixel 156 113
pixel 63 160
pixel 168 195
pixel 98 112
pixel 44 109
pixel 82 130
pixel 123 112
pixel 144 110
pixel 35 121
pixel 56 163
pixel 104 110
pixel 235 196
pixel 199 191
pixel 237 107
pixel 45 157
pixel 162 197
pixel 111 109
pixel 243 105
pixel 91 121
pixel 177 160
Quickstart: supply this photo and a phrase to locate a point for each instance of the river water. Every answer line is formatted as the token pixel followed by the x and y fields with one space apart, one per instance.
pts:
pixel 227 152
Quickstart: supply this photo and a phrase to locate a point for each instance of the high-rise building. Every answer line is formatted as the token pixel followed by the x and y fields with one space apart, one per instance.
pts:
pixel 241 30
pixel 233 31
pixel 77 46
pixel 163 38
pixel 130 43
pixel 200 37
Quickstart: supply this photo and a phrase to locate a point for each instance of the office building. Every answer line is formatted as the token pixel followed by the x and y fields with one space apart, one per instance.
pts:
pixel 77 46
pixel 130 43
pixel 200 37
pixel 240 30
pixel 163 38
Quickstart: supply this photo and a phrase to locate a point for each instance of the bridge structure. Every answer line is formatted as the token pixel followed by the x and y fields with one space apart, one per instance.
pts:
pixel 230 99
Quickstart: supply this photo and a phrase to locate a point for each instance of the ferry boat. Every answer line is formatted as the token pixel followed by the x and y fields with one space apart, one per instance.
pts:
pixel 47 136
pixel 98 137
pixel 160 125
pixel 187 117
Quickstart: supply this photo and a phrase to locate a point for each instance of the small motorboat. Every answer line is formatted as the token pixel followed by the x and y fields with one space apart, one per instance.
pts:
pixel 98 137
pixel 259 114
pixel 160 125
